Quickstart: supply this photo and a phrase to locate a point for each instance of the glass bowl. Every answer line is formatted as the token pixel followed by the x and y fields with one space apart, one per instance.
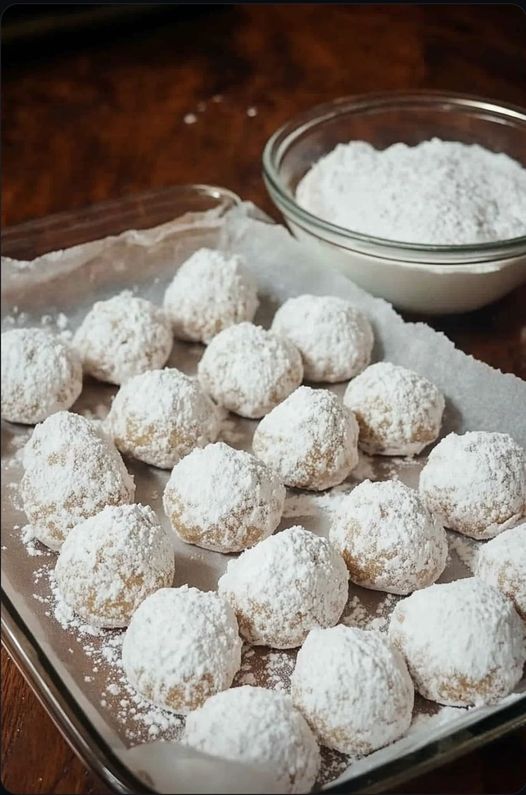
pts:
pixel 423 278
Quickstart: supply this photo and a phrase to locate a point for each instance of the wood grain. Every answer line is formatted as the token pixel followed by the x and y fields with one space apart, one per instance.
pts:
pixel 87 120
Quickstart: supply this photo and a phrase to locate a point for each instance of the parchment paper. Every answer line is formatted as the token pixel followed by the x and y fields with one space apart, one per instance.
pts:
pixel 56 291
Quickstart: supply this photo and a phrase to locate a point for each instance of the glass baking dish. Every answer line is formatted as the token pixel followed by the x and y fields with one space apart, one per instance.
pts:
pixel 31 644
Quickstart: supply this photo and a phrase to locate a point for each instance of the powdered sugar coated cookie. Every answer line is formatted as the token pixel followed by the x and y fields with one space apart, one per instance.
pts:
pixel 210 292
pixel 334 338
pixel 285 586
pixel 160 416
pixel 257 727
pixel 223 499
pixel 40 375
pixel 310 439
pixel 249 370
pixel 111 562
pixel 353 688
pixel 122 337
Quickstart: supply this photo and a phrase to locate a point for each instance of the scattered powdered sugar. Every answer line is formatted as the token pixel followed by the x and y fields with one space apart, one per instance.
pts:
pixel 334 338
pixel 360 615
pixel 388 538
pixel 284 586
pixel 399 411
pixel 310 439
pixel 463 642
pixel 160 416
pixel 476 483
pixel 210 292
pixel 249 370
pixel 354 689
pixel 437 192
pixel 466 549
pixel 223 499
pixel 40 375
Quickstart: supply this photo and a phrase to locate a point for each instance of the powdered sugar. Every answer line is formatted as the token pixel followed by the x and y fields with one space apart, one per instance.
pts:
pixel 160 416
pixel 223 499
pixel 399 411
pixel 110 562
pixel 502 563
pixel 388 538
pixel 210 292
pixel 463 641
pixel 40 375
pixel 476 483
pixel 72 471
pixel 122 337
pixel 257 727
pixel 441 192
pixel 249 370
pixel 310 439
pixel 284 586
pixel 181 647
pixel 334 338
pixel 354 689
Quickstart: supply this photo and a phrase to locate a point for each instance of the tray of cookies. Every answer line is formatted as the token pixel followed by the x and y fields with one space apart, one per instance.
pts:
pixel 259 534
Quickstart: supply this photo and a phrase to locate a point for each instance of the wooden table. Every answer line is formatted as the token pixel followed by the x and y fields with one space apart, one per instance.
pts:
pixel 100 118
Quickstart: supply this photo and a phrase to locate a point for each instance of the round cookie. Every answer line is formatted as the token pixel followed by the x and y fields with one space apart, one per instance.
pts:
pixel 353 688
pixel 334 338
pixel 210 292
pixel 72 471
pixel 285 586
pixel 463 642
pixel 399 411
pixel 259 728
pixel 223 499
pixel 40 375
pixel 502 563
pixel 249 370
pixel 181 647
pixel 122 337
pixel 111 562
pixel 475 483
pixel 388 538
pixel 160 416
pixel 310 439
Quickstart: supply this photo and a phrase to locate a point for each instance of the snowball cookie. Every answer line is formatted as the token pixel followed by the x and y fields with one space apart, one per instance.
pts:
pixel 160 416
pixel 249 370
pixel 354 689
pixel 476 483
pixel 259 728
pixel 285 586
pixel 210 292
pixel 223 499
pixel 502 563
pixel 463 642
pixel 182 646
pixel 40 375
pixel 72 471
pixel 122 337
pixel 388 538
pixel 112 561
pixel 334 338
pixel 310 439
pixel 399 411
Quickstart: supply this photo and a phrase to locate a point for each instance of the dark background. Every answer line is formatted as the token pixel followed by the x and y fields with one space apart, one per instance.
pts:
pixel 93 107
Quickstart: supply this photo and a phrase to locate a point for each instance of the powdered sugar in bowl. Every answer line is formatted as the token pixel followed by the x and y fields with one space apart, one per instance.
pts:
pixel 432 277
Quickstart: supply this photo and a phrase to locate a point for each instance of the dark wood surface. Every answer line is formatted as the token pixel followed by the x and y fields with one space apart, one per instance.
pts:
pixel 93 118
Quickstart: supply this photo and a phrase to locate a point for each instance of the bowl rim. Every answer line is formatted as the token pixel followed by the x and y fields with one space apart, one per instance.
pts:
pixel 279 141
